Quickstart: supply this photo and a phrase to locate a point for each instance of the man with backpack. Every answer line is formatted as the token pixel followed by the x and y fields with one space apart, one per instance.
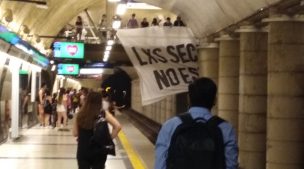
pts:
pixel 196 139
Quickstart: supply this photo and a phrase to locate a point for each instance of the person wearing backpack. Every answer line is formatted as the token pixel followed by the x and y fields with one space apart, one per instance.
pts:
pixel 196 139
pixel 89 155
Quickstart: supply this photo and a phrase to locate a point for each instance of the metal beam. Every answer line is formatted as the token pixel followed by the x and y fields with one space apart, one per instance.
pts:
pixel 91 22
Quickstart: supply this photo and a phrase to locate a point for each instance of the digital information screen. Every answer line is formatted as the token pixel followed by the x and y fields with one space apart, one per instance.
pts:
pixel 69 50
pixel 68 69
pixel 8 36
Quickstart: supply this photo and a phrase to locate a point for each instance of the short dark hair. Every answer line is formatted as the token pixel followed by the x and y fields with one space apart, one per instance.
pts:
pixel 202 93
pixel 43 84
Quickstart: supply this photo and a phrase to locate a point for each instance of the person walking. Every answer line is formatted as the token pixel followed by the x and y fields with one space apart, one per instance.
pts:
pixel 197 139
pixel 40 100
pixel 62 108
pixel 87 156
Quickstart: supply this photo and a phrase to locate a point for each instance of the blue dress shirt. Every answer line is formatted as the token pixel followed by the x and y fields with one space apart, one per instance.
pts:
pixel 168 128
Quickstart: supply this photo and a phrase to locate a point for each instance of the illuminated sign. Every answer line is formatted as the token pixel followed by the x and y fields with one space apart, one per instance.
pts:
pixel 14 39
pixel 69 50
pixel 23 72
pixel 68 69
pixel 8 36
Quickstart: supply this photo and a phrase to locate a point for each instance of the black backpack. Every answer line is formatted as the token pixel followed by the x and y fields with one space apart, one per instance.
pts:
pixel 47 106
pixel 197 144
pixel 101 140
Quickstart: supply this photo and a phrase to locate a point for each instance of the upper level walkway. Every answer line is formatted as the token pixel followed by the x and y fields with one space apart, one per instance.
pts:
pixel 47 148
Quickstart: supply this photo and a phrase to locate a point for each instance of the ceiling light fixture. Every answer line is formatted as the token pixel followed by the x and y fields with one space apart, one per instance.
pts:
pixel 108 48
pixel 107 52
pixel 110 42
pixel 116 24
pixel 114 0
pixel 136 5
pixel 53 68
pixel 121 9
pixel 91 71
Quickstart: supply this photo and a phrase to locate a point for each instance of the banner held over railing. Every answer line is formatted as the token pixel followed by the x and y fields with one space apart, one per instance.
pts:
pixel 165 59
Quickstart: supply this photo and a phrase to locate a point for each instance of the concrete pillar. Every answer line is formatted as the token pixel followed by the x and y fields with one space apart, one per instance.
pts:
pixel 163 111
pixel 136 96
pixel 209 61
pixel 253 98
pixel 154 111
pixel 228 88
pixel 285 120
pixel 169 107
pixel 209 64
pixel 158 112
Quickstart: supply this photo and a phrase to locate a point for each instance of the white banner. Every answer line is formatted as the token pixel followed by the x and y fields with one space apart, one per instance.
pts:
pixel 164 58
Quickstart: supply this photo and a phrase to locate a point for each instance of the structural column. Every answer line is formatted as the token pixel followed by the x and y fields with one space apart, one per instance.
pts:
pixel 209 64
pixel 228 88
pixel 253 98
pixel 285 120
pixel 209 61
pixel 15 67
pixel 163 111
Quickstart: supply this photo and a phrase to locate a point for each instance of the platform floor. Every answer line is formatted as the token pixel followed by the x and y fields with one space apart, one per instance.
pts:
pixel 46 148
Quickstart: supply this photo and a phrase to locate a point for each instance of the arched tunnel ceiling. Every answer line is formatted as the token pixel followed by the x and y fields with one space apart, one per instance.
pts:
pixel 46 21
pixel 202 16
pixel 208 16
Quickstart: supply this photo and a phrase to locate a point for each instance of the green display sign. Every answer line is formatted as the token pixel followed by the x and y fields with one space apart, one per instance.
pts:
pixel 68 69
pixel 23 72
pixel 71 50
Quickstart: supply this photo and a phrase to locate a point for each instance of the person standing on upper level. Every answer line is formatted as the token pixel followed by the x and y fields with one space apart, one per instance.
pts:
pixel 79 27
pixel 132 23
pixel 179 22
pixel 168 22
pixel 155 22
pixel 144 23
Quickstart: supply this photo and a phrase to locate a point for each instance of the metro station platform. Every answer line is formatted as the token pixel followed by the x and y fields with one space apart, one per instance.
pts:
pixel 47 148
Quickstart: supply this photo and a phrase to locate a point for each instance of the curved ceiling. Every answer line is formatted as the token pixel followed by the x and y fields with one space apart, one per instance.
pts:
pixel 45 21
pixel 202 16
pixel 208 16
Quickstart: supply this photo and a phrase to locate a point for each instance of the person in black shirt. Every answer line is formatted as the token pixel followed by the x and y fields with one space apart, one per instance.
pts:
pixel 144 23
pixel 155 22
pixel 179 22
pixel 83 128
pixel 168 22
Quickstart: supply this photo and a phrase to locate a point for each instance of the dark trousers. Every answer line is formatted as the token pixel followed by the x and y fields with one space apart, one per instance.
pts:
pixel 97 163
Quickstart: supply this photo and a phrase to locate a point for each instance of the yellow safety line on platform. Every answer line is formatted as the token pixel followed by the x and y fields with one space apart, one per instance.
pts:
pixel 133 156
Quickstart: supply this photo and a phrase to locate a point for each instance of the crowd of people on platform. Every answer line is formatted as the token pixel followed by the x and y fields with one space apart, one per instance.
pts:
pixel 55 110
pixel 133 23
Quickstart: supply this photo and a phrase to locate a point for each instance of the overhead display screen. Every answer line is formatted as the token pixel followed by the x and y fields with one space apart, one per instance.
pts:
pixel 70 50
pixel 68 69
pixel 8 36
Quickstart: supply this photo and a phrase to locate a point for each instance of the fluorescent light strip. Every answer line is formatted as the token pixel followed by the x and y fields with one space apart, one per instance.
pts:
pixel 116 24
pixel 110 42
pixel 90 71
pixel 53 68
pixel 108 48
pixel 121 9
pixel 107 52
pixel 131 5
